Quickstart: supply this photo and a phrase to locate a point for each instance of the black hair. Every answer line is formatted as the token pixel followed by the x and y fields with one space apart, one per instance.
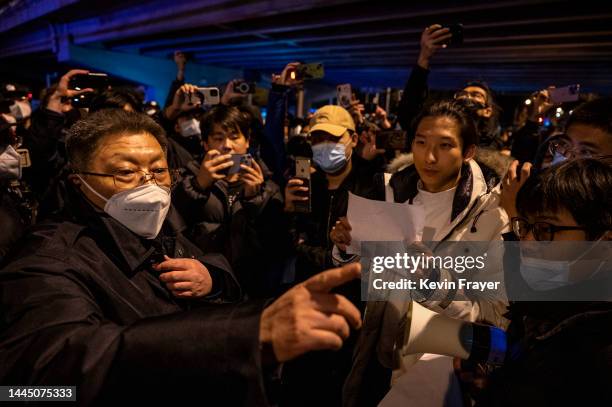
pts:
pixel 189 114
pixel 580 186
pixel 455 110
pixel 230 118
pixel 117 98
pixel 596 113
pixel 85 136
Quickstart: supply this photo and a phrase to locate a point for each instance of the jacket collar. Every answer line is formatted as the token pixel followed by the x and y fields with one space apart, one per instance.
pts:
pixel 473 183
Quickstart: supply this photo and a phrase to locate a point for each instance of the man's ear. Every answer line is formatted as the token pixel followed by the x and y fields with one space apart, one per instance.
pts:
pixel 177 127
pixel 469 153
pixel 487 112
pixel 74 179
pixel 354 139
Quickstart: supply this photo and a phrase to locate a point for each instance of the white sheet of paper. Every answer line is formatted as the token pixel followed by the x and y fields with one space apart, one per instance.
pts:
pixel 379 221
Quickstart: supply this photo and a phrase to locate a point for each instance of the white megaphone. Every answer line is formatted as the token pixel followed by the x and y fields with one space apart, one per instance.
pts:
pixel 430 332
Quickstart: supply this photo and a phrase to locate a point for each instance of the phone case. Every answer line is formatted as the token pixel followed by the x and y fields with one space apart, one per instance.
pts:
pixel 344 94
pixel 302 172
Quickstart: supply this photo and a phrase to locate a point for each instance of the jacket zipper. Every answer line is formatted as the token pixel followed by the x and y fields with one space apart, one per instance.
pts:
pixel 329 213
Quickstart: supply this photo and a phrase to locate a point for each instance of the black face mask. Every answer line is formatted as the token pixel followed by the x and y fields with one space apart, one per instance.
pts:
pixel 471 104
pixel 484 125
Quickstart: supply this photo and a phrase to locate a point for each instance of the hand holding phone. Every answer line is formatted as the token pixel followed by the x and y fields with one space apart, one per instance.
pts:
pixel 310 71
pixel 297 192
pixel 251 175
pixel 569 93
pixel 237 161
pixel 90 80
pixel 456 32
pixel 214 167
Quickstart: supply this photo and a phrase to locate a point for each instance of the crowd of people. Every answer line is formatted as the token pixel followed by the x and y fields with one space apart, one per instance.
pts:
pixel 168 254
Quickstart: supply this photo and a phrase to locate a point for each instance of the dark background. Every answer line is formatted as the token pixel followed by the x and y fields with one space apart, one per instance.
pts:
pixel 516 46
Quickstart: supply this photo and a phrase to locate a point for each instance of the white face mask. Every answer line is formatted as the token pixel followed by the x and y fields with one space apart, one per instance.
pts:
pixel 142 209
pixel 190 128
pixel 21 110
pixel 543 274
pixel 10 164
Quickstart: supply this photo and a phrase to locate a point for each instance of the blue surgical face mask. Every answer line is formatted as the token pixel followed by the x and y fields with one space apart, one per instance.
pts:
pixel 330 157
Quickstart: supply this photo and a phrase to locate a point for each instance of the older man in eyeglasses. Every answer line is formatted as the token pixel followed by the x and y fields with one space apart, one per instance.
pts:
pixel 114 300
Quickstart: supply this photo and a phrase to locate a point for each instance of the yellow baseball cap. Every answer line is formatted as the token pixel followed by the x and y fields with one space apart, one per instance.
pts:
pixel 332 119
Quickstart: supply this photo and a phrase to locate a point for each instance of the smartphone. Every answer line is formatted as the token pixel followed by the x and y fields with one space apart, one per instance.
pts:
pixel 391 139
pixel 457 35
pixel 82 101
pixel 202 96
pixel 569 93
pixel 311 71
pixel 88 80
pixel 209 96
pixel 344 94
pixel 302 172
pixel 238 159
pixel 244 87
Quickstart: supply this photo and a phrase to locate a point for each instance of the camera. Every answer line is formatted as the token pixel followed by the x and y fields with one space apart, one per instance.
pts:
pixel 244 87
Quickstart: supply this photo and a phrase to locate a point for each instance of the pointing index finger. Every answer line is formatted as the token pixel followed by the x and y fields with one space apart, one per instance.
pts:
pixel 327 280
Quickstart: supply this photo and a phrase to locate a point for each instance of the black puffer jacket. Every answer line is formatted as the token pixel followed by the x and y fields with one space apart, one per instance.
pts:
pixel 562 356
pixel 250 232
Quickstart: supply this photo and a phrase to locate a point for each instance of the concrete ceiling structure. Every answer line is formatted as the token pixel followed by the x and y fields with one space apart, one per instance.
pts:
pixel 517 46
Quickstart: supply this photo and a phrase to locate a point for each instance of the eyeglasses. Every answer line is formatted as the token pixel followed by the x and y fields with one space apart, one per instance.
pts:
pixel 542 231
pixel 470 95
pixel 128 178
pixel 566 150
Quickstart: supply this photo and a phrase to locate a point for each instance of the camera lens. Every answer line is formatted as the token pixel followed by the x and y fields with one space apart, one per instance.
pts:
pixel 214 92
